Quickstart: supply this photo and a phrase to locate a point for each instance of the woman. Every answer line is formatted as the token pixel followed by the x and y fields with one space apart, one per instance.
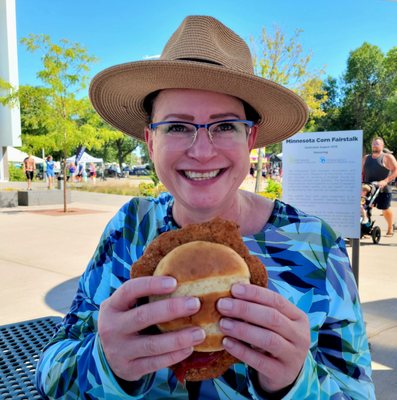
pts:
pixel 92 173
pixel 50 172
pixel 201 111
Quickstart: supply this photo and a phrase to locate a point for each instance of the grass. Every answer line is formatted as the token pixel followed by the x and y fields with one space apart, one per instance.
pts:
pixel 124 187
pixel 145 187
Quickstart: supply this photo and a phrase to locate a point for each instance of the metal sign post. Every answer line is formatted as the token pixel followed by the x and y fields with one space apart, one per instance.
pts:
pixel 355 257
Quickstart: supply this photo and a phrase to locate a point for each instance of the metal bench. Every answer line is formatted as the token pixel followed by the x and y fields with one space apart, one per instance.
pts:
pixel 20 346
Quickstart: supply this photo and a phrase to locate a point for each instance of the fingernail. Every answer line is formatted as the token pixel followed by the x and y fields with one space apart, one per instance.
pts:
pixel 226 324
pixel 227 343
pixel 198 335
pixel 238 289
pixel 193 303
pixel 225 304
pixel 168 283
pixel 188 350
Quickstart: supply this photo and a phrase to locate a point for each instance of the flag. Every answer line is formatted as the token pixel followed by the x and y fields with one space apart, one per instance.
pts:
pixel 79 153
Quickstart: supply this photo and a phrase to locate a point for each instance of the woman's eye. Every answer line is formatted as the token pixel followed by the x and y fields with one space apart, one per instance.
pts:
pixel 176 128
pixel 224 127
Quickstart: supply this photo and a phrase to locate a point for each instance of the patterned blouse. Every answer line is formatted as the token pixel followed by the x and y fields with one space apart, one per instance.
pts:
pixel 307 264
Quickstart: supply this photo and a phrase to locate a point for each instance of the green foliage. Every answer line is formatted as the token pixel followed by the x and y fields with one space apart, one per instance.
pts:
pixel 123 188
pixel 16 174
pixel 283 60
pixel 150 189
pixel 365 98
pixel 8 94
pixel 53 117
pixel 273 189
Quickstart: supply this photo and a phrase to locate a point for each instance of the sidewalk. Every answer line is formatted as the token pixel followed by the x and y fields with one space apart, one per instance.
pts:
pixel 42 255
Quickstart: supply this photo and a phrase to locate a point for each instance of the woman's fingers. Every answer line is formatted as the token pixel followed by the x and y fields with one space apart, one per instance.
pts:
pixel 267 297
pixel 263 363
pixel 152 345
pixel 146 315
pixel 148 365
pixel 263 340
pixel 129 292
pixel 267 332
pixel 264 316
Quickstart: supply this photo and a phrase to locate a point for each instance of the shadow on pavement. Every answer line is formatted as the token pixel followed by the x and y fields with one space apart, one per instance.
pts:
pixel 381 319
pixel 60 297
pixel 379 244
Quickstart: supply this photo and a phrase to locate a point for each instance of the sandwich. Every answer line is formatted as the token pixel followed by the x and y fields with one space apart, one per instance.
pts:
pixel 206 260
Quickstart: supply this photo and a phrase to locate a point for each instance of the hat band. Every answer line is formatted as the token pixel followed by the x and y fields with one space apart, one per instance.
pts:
pixel 200 60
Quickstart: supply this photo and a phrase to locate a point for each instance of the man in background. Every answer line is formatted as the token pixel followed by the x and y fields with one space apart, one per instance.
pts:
pixel 381 167
pixel 29 166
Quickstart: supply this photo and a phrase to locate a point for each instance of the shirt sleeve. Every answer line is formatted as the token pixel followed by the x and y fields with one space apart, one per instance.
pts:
pixel 338 364
pixel 73 364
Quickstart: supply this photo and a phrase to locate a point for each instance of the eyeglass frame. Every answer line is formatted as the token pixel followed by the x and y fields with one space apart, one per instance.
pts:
pixel 152 126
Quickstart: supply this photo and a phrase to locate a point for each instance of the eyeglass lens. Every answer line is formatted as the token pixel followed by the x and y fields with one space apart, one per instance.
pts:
pixel 222 134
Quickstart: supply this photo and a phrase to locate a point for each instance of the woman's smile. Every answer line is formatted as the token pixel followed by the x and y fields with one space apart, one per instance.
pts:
pixel 202 175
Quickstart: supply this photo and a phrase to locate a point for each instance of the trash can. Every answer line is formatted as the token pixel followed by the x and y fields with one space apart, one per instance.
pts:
pixel 60 182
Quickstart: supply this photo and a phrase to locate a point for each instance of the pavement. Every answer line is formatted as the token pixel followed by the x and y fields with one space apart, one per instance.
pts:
pixel 43 252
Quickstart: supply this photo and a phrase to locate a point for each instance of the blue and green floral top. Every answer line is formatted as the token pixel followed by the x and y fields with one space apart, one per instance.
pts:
pixel 307 264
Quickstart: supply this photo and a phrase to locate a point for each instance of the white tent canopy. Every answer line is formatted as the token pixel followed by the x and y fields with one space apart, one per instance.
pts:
pixel 15 155
pixel 86 158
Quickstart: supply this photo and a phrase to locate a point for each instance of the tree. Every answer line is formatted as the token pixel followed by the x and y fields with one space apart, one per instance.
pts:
pixel 364 89
pixel 64 75
pixel 365 97
pixel 283 61
pixel 389 134
pixel 370 92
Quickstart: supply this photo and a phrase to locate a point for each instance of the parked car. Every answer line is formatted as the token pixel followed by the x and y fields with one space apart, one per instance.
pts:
pixel 137 170
pixel 112 172
pixel 140 170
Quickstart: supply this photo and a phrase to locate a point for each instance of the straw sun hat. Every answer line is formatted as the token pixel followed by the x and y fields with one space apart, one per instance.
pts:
pixel 201 54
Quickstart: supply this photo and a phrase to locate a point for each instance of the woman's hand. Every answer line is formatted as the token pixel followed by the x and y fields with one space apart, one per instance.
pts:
pixel 267 332
pixel 131 355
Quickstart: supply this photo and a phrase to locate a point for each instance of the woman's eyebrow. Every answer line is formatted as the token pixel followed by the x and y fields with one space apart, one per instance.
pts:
pixel 212 116
pixel 184 117
pixel 225 115
pixel 187 117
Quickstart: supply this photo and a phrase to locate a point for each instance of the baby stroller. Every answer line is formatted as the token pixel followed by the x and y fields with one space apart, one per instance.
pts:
pixel 367 224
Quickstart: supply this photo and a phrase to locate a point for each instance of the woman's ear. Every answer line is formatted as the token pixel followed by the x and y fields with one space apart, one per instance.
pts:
pixel 149 141
pixel 252 137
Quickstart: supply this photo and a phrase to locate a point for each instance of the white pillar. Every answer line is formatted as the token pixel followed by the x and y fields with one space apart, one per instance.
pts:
pixel 10 120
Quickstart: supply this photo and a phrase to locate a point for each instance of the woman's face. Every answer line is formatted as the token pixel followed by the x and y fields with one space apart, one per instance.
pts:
pixel 202 177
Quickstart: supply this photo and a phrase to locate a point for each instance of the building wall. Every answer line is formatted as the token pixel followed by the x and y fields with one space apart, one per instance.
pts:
pixel 10 120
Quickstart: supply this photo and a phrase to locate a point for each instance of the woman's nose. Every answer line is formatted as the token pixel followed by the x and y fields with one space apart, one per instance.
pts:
pixel 202 147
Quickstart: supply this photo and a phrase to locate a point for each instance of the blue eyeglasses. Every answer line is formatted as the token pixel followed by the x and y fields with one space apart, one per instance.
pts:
pixel 222 134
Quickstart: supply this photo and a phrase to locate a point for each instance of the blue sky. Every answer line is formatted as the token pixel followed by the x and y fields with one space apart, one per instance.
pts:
pixel 117 31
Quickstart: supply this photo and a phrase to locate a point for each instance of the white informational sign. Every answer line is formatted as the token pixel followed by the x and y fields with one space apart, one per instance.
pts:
pixel 322 177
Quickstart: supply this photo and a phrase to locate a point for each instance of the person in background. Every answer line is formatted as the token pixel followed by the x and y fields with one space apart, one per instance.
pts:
pixel 92 170
pixel 201 110
pixel 381 168
pixel 72 170
pixel 29 168
pixel 365 191
pixel 118 171
pixel 84 175
pixel 80 170
pixel 50 171
pixel 252 170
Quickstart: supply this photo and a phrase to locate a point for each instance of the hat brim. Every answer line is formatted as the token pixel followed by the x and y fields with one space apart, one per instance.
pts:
pixel 117 93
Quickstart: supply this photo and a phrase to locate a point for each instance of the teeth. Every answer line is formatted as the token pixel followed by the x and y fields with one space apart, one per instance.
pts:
pixel 200 176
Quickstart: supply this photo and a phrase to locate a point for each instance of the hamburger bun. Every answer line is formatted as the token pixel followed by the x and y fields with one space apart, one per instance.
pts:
pixel 212 270
pixel 206 260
